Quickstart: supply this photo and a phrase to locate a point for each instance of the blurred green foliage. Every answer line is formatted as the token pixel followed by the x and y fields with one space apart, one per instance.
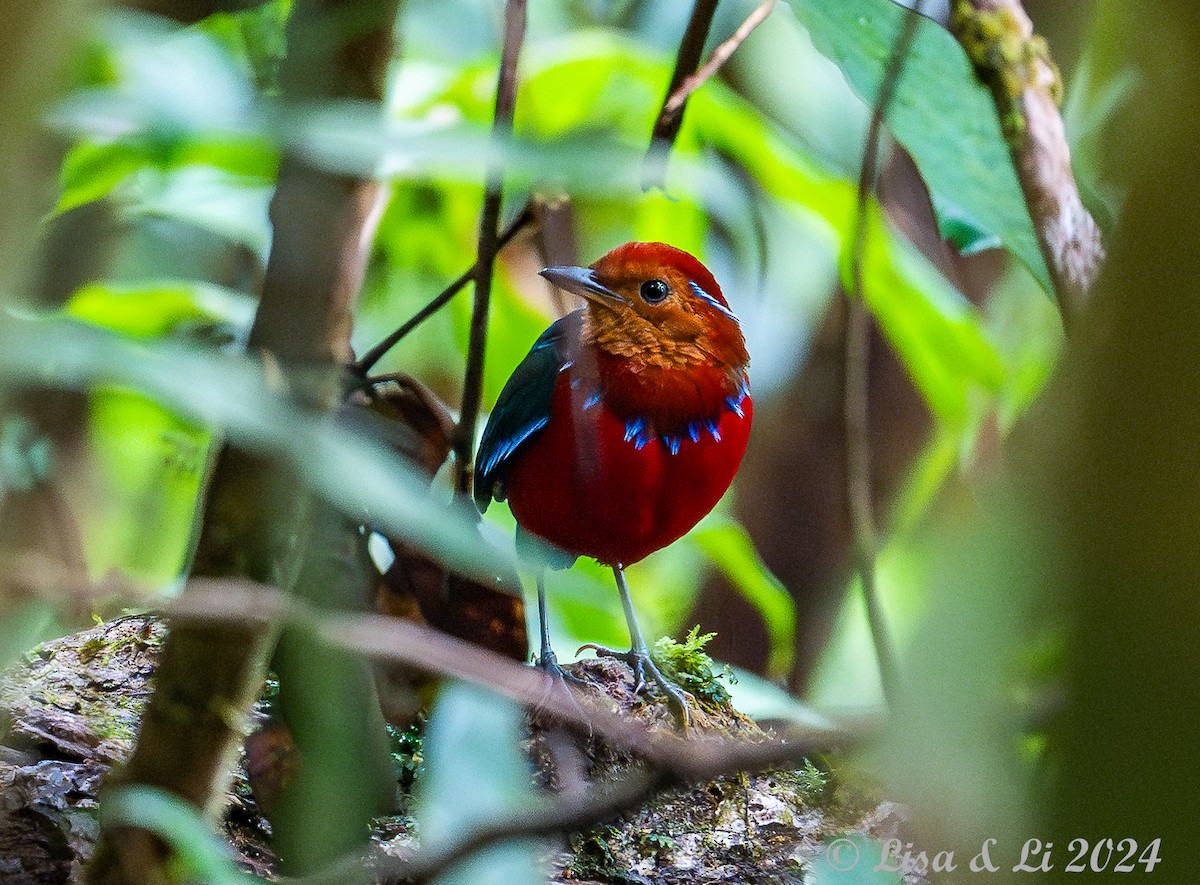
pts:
pixel 178 132
pixel 176 124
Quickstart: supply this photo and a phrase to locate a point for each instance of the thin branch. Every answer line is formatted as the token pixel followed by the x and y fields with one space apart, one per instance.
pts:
pixel 858 339
pixel 671 761
pixel 489 244
pixel 720 55
pixel 666 127
pixel 385 638
pixel 1015 64
pixel 368 360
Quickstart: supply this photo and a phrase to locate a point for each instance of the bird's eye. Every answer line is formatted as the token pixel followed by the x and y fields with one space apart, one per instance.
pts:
pixel 654 291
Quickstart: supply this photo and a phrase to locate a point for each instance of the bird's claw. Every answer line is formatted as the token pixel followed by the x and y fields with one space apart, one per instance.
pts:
pixel 641 663
pixel 560 681
pixel 547 662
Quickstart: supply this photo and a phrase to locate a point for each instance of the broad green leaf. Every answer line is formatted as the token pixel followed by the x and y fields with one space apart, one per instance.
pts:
pixel 149 463
pixel 941 114
pixel 352 470
pixel 728 546
pixel 199 855
pixel 94 169
pixel 255 38
pixel 475 773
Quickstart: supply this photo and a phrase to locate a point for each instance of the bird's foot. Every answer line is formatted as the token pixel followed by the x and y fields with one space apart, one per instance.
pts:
pixel 547 662
pixel 559 684
pixel 642 664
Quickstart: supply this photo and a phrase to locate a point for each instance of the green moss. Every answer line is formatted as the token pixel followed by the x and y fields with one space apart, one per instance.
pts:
pixel 688 666
pixel 1004 59
pixel 407 753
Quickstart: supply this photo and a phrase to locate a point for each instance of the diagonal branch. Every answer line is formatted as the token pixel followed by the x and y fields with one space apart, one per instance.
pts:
pixel 666 127
pixel 367 361
pixel 1015 64
pixel 677 99
pixel 671 761
pixel 489 242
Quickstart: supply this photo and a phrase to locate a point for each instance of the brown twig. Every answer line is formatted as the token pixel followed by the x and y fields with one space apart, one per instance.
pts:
pixel 858 331
pixel 1015 64
pixel 720 55
pixel 666 127
pixel 489 242
pixel 367 361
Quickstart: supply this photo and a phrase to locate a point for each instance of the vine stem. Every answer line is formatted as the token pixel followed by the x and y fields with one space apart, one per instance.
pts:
pixel 857 349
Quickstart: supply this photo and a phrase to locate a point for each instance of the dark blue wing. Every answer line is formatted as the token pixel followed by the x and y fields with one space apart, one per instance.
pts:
pixel 523 407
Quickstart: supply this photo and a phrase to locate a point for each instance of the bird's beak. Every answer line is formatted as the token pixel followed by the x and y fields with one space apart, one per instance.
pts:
pixel 583 281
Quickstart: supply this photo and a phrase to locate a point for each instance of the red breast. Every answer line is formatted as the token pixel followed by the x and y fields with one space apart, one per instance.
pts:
pixel 587 485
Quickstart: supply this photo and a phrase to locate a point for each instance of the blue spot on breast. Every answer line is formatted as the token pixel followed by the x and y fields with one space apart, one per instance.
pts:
pixel 591 399
pixel 711 426
pixel 634 427
pixel 672 443
pixel 693 430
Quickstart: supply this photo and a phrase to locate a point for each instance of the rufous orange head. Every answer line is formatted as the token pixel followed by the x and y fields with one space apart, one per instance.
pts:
pixel 656 304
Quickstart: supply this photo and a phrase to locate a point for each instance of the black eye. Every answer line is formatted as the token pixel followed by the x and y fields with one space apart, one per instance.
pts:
pixel 654 291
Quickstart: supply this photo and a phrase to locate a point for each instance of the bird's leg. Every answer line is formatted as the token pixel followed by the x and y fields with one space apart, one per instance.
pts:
pixel 638 658
pixel 547 661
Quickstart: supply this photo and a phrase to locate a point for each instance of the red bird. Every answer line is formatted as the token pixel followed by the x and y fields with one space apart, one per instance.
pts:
pixel 625 424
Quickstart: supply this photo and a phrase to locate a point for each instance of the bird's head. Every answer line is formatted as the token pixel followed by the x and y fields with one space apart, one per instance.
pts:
pixel 656 304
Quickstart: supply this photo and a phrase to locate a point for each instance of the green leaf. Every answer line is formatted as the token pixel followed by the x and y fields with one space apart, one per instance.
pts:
pixel 200 855
pixel 729 547
pixel 938 335
pixel 150 463
pixel 941 114
pixel 155 308
pixel 474 774
pixel 352 470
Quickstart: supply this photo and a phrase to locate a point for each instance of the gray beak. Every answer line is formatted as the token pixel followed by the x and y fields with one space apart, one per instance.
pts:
pixel 582 281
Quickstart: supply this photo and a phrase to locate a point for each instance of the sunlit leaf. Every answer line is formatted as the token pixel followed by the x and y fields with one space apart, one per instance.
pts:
pixel 730 548
pixel 352 470
pixel 152 309
pixel 941 114
pixel 935 331
pixel 148 462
